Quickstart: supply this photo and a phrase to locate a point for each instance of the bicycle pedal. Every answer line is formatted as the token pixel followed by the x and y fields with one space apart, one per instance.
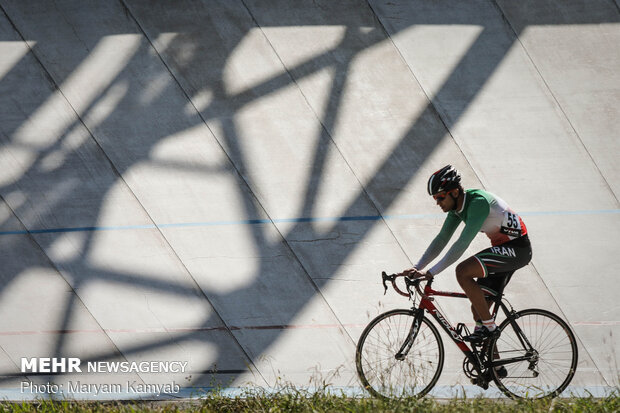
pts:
pixel 501 372
pixel 481 382
pixel 478 338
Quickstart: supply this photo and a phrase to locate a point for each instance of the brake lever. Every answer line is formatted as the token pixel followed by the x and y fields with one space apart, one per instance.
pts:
pixel 385 277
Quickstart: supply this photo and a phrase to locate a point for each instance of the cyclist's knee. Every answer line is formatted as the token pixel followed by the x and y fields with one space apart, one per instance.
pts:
pixel 468 269
pixel 462 272
pixel 461 277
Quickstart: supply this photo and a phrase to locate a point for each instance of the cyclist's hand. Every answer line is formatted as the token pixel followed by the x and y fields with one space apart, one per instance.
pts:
pixel 411 273
pixel 424 274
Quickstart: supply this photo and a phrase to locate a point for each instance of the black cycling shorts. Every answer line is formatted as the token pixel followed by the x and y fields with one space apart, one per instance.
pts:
pixel 500 262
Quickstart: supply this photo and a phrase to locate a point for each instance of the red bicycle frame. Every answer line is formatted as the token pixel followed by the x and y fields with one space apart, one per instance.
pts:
pixel 426 303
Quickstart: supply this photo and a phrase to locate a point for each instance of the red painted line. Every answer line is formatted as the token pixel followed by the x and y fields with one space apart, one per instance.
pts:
pixel 235 328
pixel 179 330
pixel 292 327
pixel 596 323
pixel 29 333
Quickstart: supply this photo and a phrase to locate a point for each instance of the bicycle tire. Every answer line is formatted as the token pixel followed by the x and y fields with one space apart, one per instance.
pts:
pixel 381 373
pixel 556 349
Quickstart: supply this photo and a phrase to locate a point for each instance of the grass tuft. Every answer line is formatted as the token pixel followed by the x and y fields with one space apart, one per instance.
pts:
pixel 291 400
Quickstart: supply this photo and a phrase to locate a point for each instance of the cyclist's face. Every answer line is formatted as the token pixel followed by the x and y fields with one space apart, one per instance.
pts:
pixel 444 200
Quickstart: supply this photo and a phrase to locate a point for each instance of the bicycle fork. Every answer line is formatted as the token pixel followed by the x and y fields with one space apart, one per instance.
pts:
pixel 413 332
pixel 476 372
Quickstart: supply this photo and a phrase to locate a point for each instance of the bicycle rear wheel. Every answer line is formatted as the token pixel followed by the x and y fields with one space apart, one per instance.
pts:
pixel 414 375
pixel 550 362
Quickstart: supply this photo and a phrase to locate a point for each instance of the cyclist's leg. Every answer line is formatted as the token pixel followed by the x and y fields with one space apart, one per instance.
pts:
pixel 492 286
pixel 475 316
pixel 492 262
pixel 501 261
pixel 466 274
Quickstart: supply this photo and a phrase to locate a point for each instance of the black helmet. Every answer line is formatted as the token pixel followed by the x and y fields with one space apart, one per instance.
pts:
pixel 445 179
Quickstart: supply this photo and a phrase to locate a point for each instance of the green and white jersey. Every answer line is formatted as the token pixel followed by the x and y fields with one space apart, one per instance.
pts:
pixel 481 212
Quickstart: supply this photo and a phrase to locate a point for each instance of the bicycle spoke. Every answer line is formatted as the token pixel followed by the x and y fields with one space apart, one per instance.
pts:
pixel 551 362
pixel 378 367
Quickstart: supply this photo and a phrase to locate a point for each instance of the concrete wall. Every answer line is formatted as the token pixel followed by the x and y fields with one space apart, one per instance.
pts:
pixel 221 183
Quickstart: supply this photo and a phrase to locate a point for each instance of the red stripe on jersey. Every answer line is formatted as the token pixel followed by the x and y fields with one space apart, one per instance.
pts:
pixel 523 228
pixel 499 239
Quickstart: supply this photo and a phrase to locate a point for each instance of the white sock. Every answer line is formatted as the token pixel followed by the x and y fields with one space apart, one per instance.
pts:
pixel 489 324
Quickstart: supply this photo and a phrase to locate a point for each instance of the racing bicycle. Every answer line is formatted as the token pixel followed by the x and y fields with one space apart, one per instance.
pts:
pixel 401 354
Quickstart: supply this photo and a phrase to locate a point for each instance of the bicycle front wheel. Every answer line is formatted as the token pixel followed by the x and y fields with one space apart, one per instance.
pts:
pixel 544 354
pixel 411 374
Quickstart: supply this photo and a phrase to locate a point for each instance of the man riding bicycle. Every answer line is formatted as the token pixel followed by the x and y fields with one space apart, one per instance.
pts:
pixel 490 269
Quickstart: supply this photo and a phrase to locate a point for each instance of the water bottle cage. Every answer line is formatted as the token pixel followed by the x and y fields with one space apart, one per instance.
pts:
pixel 462 330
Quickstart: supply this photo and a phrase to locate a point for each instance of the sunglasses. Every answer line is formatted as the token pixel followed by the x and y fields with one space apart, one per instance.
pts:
pixel 440 197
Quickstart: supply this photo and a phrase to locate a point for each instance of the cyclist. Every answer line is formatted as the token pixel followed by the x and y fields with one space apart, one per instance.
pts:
pixel 490 269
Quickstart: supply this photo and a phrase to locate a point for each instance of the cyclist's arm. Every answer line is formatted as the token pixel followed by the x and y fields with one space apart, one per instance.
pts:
pixel 478 211
pixel 440 241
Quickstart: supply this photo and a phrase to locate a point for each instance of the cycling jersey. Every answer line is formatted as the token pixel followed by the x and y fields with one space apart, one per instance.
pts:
pixel 481 212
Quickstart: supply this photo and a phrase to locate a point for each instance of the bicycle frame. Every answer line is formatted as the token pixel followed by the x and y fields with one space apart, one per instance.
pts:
pixel 426 304
pixel 484 362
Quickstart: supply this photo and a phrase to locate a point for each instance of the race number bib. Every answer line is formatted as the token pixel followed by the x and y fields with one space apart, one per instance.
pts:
pixel 511 225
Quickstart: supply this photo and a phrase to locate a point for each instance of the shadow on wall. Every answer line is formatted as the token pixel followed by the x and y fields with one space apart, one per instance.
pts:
pixel 82 132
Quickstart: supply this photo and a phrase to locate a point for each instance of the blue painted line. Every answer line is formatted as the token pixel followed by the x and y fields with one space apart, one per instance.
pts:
pixel 13 232
pixel 77 229
pixel 414 216
pixel 90 229
pixel 288 220
pixel 593 212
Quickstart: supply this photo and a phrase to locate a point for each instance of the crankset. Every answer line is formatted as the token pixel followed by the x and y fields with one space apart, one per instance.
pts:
pixel 470 371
